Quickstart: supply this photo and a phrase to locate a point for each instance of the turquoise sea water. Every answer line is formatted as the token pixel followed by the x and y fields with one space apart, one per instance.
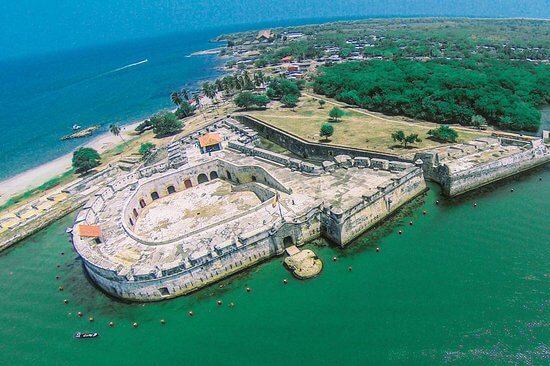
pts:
pixel 42 97
pixel 462 286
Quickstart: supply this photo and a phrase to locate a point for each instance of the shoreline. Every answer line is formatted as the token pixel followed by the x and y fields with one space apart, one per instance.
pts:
pixel 36 176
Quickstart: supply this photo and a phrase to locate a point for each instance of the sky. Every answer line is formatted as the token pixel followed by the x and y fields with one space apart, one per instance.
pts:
pixel 37 26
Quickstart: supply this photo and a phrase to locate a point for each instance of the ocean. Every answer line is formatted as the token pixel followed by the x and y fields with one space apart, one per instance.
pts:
pixel 464 285
pixel 42 97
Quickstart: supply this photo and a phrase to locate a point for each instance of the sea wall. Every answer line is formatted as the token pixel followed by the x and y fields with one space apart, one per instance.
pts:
pixel 456 183
pixel 306 149
pixel 343 226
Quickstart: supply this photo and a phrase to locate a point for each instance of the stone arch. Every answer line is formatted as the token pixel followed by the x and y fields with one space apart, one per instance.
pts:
pixel 288 241
pixel 134 211
pixel 253 177
pixel 228 174
pixel 155 195
pixel 188 183
pixel 171 189
pixel 142 203
pixel 213 175
pixel 131 222
pixel 202 178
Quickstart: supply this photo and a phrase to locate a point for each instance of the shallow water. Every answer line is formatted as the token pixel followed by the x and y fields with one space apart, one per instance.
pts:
pixel 463 285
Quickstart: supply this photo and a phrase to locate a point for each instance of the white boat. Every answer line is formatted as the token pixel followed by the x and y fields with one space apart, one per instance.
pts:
pixel 76 127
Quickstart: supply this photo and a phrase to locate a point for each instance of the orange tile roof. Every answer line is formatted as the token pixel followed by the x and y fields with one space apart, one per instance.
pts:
pixel 286 59
pixel 265 34
pixel 90 231
pixel 210 139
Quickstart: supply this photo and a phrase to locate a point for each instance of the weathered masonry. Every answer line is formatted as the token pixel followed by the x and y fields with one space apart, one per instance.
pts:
pixel 463 167
pixel 161 232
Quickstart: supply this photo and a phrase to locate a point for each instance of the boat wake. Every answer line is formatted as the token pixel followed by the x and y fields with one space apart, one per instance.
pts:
pixel 127 66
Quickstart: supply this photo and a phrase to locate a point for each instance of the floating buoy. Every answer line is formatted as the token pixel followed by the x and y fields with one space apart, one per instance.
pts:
pixel 511 190
pixel 400 232
pixel 334 259
pixel 190 313
pixel 79 314
pixel 219 302
pixel 377 250
pixel 62 253
pixel 56 277
pixel 65 301
pixel 410 223
pixel 349 268
pixel 231 304
pixel 162 321
pixel 60 288
pixel 248 289
pixel 285 281
pixel 424 212
pixel 437 202
pixel 135 325
pixel 58 266
pixel 475 204
pixel 91 319
pixel 111 324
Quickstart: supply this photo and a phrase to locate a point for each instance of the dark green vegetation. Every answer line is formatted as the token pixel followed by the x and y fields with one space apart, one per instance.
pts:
pixel 442 70
pixel 85 159
pixel 289 101
pixel 146 148
pixel 336 113
pixel 165 124
pixel 247 100
pixel 185 109
pixel 505 93
pixel 278 88
pixel 404 140
pixel 444 134
pixel 327 130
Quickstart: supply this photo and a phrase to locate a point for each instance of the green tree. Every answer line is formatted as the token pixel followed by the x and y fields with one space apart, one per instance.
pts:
pixel 404 140
pixel 289 101
pixel 185 110
pixel 247 100
pixel 336 113
pixel 166 124
pixel 176 98
pixel 145 125
pixel 146 149
pixel 478 121
pixel 244 100
pixel 85 159
pixel 327 130
pixel 322 103
pixel 444 133
pixel 115 130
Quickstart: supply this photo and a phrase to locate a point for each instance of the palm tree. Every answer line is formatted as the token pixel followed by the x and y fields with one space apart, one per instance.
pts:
pixel 197 98
pixel 115 130
pixel 176 98
pixel 184 93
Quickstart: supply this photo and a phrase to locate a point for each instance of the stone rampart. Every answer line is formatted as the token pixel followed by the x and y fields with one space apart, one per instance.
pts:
pixel 306 149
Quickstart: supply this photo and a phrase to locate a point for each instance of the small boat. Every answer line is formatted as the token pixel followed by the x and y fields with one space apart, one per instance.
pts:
pixel 86 335
pixel 69 230
pixel 76 127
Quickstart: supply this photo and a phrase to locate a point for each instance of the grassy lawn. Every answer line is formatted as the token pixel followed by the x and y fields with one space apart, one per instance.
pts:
pixel 355 129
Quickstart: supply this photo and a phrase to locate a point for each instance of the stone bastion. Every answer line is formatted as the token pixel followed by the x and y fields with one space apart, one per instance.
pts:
pixel 169 232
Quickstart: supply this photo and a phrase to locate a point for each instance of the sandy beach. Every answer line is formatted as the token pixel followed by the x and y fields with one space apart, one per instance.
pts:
pixel 36 176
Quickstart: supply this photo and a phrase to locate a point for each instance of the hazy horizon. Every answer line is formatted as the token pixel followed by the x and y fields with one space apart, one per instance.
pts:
pixel 32 27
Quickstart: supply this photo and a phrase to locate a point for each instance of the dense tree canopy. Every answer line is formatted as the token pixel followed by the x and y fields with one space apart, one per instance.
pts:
pixel 85 159
pixel 278 88
pixel 248 100
pixel 505 93
pixel 165 124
